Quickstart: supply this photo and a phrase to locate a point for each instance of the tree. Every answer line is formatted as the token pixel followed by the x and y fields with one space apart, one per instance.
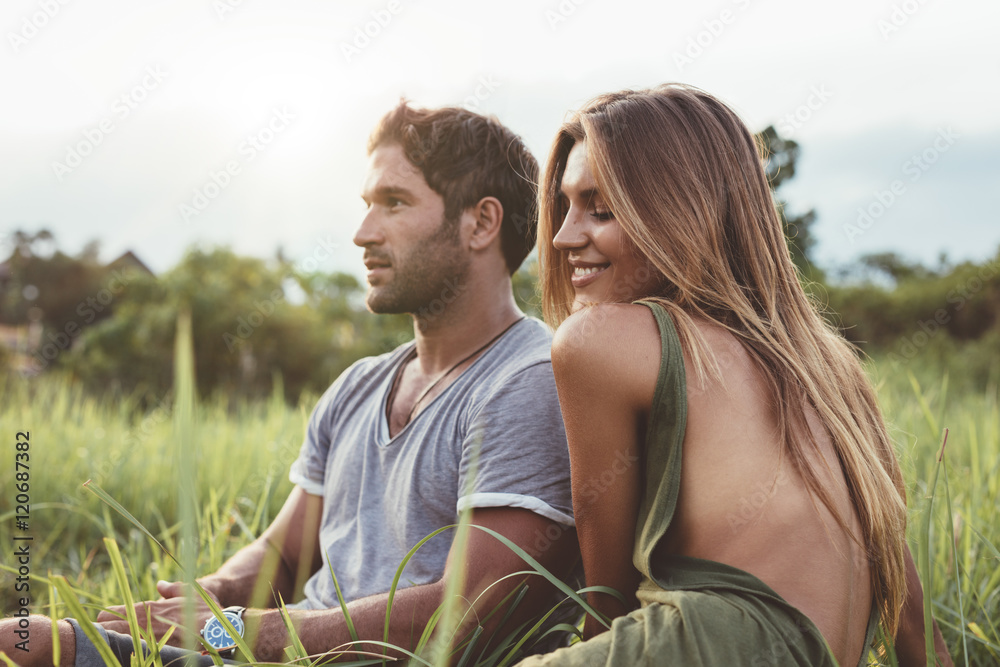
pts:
pixel 780 155
pixel 894 266
pixel 63 294
pixel 246 329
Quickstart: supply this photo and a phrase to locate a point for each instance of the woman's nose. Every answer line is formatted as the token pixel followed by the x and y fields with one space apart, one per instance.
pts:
pixel 572 233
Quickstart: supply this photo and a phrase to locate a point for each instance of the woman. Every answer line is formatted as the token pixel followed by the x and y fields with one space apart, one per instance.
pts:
pixel 731 469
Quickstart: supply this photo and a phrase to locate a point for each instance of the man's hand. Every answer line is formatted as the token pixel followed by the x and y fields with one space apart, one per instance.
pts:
pixel 177 589
pixel 485 562
pixel 288 550
pixel 164 613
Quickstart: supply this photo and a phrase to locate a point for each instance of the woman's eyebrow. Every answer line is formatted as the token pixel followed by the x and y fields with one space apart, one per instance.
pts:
pixel 587 194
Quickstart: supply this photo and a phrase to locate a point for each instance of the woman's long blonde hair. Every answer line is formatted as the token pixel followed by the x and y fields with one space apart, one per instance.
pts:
pixel 683 176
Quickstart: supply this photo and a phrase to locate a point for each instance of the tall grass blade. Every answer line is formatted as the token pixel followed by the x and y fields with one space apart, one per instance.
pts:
pixel 449 623
pixel 56 649
pixel 563 627
pixel 296 651
pixel 528 635
pixel 520 591
pixel 343 603
pixel 922 401
pixel 116 506
pixel 76 611
pixel 540 569
pixel 184 434
pixel 118 565
pixel 399 573
pixel 241 642
pixel 958 566
pixel 924 553
pixel 385 645
pixel 467 654
pixel 991 591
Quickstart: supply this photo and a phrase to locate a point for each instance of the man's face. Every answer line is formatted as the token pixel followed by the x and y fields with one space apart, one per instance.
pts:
pixel 411 251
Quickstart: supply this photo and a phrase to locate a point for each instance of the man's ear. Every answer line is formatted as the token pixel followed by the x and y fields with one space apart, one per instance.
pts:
pixel 487 214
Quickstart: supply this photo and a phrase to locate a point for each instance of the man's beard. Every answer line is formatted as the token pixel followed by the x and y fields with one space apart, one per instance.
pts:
pixel 424 276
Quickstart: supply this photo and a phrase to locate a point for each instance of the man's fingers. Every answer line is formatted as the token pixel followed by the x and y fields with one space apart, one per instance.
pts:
pixel 111 614
pixel 115 626
pixel 159 628
pixel 170 589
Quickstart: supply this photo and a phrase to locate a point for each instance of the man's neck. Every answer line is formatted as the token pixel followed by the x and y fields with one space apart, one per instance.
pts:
pixel 477 314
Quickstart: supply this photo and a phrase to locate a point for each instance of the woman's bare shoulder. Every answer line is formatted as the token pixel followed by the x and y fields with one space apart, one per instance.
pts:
pixel 614 344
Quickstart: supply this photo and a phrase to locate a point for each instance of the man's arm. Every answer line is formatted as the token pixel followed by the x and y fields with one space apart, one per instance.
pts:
pixel 285 556
pixel 910 647
pixel 281 559
pixel 486 561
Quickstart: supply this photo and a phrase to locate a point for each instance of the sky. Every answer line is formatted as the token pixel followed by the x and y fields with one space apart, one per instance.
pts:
pixel 159 125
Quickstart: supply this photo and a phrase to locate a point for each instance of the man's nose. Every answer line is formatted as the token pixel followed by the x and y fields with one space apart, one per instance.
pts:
pixel 369 232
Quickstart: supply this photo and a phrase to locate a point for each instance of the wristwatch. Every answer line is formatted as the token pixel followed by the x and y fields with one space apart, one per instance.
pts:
pixel 218 637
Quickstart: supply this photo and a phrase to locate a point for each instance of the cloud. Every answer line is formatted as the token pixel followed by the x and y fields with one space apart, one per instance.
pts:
pixel 944 200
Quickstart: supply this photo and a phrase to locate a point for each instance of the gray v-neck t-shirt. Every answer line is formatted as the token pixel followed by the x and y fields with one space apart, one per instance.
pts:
pixel 493 438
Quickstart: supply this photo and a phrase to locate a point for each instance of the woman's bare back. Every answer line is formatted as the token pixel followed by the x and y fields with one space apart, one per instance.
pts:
pixel 743 503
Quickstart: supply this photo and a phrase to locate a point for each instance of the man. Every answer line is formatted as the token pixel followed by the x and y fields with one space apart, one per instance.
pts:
pixel 464 417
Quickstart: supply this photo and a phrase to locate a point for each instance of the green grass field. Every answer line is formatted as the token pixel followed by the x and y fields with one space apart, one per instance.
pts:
pixel 236 463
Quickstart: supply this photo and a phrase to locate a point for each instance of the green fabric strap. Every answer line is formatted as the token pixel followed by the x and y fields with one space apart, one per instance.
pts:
pixel 664 438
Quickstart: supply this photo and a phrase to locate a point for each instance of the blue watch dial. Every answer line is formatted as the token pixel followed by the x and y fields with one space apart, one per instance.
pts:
pixel 215 632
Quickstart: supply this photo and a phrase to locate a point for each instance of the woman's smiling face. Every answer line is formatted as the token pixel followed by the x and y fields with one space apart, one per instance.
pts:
pixel 605 266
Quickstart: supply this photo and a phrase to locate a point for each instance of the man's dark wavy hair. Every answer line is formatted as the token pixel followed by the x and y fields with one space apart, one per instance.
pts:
pixel 465 156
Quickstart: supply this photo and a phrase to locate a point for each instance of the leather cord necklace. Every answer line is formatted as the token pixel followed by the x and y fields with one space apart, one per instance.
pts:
pixel 413 354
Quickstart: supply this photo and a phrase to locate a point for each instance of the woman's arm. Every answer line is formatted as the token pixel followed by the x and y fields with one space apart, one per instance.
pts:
pixel 606 361
pixel 910 644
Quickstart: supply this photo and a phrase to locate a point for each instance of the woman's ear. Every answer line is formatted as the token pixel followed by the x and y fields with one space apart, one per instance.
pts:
pixel 487 216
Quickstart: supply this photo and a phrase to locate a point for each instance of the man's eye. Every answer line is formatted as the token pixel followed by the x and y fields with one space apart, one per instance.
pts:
pixel 393 202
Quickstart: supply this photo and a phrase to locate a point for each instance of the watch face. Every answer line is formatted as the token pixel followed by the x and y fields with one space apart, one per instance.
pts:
pixel 215 632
